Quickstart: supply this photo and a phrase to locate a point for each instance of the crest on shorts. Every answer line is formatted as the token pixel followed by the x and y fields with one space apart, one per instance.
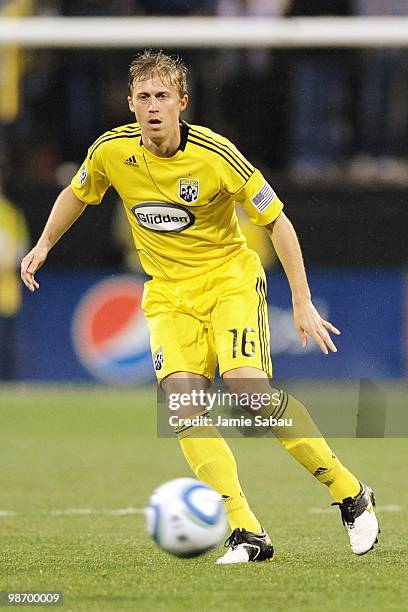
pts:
pixel 188 189
pixel 158 359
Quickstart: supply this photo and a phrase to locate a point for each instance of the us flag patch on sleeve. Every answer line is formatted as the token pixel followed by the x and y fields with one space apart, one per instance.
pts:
pixel 264 197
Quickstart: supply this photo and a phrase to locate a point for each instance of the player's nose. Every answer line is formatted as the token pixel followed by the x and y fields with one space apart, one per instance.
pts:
pixel 153 104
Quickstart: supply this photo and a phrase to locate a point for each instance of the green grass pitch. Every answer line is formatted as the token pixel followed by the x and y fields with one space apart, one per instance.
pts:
pixel 66 449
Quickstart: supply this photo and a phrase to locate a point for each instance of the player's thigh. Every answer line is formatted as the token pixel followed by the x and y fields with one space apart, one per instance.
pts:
pixel 179 341
pixel 240 324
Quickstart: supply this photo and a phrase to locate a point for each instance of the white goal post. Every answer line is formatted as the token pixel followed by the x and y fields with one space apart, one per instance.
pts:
pixel 195 32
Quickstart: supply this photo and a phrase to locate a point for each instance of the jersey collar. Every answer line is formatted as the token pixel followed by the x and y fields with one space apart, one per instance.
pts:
pixel 184 129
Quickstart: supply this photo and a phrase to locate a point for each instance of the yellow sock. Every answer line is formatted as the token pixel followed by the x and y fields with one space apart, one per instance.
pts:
pixel 307 445
pixel 212 462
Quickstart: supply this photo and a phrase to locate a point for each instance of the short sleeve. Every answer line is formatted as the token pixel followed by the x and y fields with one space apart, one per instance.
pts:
pixel 259 200
pixel 236 169
pixel 90 182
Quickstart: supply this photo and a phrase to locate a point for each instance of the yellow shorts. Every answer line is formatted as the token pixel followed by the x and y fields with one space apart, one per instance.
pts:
pixel 218 317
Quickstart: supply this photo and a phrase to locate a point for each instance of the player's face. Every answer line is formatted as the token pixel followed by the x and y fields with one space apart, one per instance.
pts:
pixel 157 107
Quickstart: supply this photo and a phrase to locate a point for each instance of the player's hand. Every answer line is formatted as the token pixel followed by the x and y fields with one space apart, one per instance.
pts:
pixel 31 263
pixel 309 323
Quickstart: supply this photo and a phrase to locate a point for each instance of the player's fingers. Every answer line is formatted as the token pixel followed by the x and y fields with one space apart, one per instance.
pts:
pixel 28 283
pixel 34 265
pixel 25 264
pixel 27 275
pixel 331 345
pixel 321 338
pixel 328 342
pixel 331 327
pixel 34 282
pixel 320 342
pixel 302 337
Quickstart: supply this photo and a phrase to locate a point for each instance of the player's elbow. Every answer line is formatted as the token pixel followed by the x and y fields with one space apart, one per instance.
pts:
pixel 270 227
pixel 69 194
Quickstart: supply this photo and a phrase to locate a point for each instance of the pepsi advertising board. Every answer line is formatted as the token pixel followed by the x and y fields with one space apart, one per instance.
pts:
pixel 90 327
pixel 85 327
pixel 109 331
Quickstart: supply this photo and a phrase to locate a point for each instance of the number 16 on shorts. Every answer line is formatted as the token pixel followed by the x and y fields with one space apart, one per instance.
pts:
pixel 247 345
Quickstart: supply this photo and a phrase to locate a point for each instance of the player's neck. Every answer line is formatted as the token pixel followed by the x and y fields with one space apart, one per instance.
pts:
pixel 166 147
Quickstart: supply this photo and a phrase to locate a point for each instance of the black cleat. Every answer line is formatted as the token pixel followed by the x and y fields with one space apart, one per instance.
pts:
pixel 244 546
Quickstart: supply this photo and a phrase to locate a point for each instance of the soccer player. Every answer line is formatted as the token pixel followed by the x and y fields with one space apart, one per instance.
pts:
pixel 206 302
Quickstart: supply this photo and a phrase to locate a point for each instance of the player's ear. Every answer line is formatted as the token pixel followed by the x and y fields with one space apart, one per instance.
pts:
pixel 183 102
pixel 130 102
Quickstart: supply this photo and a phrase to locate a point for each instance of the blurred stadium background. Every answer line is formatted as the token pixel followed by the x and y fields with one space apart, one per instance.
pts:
pixel 319 105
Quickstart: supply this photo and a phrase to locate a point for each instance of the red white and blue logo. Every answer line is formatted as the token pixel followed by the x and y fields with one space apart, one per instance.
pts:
pixel 110 334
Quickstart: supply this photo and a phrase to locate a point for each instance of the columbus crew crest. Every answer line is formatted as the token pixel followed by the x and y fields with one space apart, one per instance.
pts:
pixel 188 189
pixel 158 359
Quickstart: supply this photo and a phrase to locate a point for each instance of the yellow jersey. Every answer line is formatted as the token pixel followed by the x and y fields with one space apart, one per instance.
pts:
pixel 182 208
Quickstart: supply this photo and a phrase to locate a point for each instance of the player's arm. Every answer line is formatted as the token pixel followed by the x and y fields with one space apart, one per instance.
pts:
pixel 264 208
pixel 65 212
pixel 308 321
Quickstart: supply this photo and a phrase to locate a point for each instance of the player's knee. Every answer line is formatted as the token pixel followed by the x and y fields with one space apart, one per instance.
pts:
pixel 246 381
pixel 254 394
pixel 185 393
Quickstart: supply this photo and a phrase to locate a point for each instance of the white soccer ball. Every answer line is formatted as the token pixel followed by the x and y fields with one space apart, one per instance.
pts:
pixel 186 517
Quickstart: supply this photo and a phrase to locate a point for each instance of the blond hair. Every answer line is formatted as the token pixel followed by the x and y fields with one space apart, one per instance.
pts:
pixel 170 69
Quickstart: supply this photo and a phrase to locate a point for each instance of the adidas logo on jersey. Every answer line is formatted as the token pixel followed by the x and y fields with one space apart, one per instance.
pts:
pixel 131 161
